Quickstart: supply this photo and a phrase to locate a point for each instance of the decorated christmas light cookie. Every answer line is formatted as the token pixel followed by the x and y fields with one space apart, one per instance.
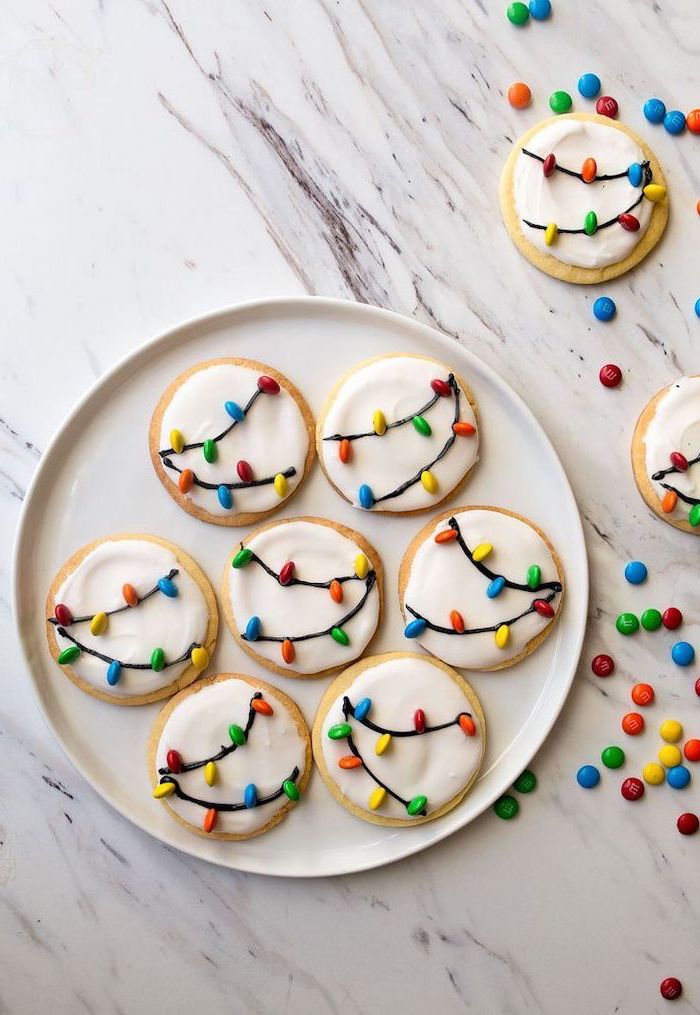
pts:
pixel 303 596
pixel 480 587
pixel 583 197
pixel 398 434
pixel 131 619
pixel 231 440
pixel 229 756
pixel 399 738
pixel 666 454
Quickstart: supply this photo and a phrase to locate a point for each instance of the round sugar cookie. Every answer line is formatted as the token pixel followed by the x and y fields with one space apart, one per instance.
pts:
pixel 480 587
pixel 583 197
pixel 303 596
pixel 231 441
pixel 670 426
pixel 399 738
pixel 131 619
pixel 398 434
pixel 229 757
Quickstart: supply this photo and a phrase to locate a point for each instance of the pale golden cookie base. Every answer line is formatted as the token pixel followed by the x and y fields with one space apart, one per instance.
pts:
pixel 289 671
pixel 341 684
pixel 639 466
pixel 259 685
pixel 189 673
pixel 548 262
pixel 232 519
pixel 466 390
pixel 419 539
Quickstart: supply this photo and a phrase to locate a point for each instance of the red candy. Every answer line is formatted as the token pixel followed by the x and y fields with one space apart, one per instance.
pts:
pixel 691 749
pixel 419 720
pixel 679 461
pixel 697 687
pixel 549 165
pixel 672 618
pixel 63 615
pixel 287 572
pixel 628 222
pixel 642 694
pixel 173 760
pixel 606 106
pixel 268 384
pixel 244 471
pixel 632 789
pixel 688 824
pixel 441 387
pixel 610 375
pixel 603 666
pixel 671 988
pixel 633 724
pixel 544 608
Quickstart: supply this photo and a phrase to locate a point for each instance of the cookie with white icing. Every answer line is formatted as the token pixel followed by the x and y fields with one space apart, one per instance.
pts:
pixel 229 757
pixel 666 454
pixel 131 619
pixel 231 441
pixel 303 596
pixel 399 738
pixel 398 434
pixel 583 197
pixel 480 587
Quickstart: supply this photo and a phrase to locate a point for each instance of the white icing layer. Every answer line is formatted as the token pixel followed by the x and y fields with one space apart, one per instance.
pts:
pixel 273 436
pixel 443 579
pixel 437 765
pixel 320 553
pixel 565 200
pixel 198 728
pixel 675 426
pixel 159 622
pixel 398 386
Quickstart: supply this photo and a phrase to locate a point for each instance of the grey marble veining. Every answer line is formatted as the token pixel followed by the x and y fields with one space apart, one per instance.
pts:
pixel 160 159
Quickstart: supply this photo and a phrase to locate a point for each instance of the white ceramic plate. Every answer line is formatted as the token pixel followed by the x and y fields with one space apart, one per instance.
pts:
pixel 76 497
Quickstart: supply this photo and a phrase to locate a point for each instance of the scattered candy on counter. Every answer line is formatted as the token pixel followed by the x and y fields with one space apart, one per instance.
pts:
pixel 671 731
pixel 642 694
pixel 693 121
pixel 654 774
pixel 670 756
pixel 697 302
pixel 674 121
pixel 683 653
pixel 697 687
pixel 610 375
pixel 671 988
pixel 589 85
pixel 507 806
pixel 588 776
pixel 602 665
pixel 606 106
pixel 627 623
pixel 519 95
pixel 636 573
pixel 651 620
pixel 540 9
pixel 654 110
pixel 560 102
pixel 688 823
pixel 527 781
pixel 678 777
pixel 691 749
pixel 672 618
pixel 633 724
pixel 613 757
pixel 632 789
pixel 604 308
pixel 517 14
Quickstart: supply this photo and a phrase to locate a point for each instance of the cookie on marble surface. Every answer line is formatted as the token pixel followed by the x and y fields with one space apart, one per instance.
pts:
pixel 666 454
pixel 131 619
pixel 231 441
pixel 303 596
pixel 398 434
pixel 230 756
pixel 480 587
pixel 583 197
pixel 399 738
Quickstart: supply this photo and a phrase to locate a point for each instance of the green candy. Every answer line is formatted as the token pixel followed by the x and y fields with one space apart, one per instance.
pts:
pixel 339 732
pixel 210 451
pixel 422 425
pixel 590 223
pixel 417 805
pixel 157 659
pixel 613 757
pixel 68 655
pixel 243 557
pixel 507 807
pixel 291 789
pixel 560 102
pixel 627 623
pixel 517 14
pixel 339 635
pixel 651 620
pixel 526 782
pixel 237 735
pixel 694 515
pixel 534 576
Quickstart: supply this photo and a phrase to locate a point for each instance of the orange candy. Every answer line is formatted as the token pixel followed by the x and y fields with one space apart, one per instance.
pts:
pixel 288 653
pixel 633 723
pixel 261 706
pixel 130 594
pixel 345 451
pixel 349 761
pixel 691 749
pixel 336 591
pixel 186 480
pixel 467 725
pixel 642 694
pixel 463 429
pixel 210 819
pixel 519 95
pixel 589 170
pixel 669 501
pixel 457 621
pixel 692 121
pixel 447 536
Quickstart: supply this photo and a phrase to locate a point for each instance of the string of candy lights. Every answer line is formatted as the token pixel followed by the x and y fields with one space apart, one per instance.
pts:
pixel 679 465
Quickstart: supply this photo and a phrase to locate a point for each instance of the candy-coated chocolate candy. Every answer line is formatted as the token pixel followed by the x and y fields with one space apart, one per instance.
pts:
pixel 633 724
pixel 419 720
pixel 688 823
pixel 237 735
pixel 636 572
pixel 651 620
pixel 550 234
pixel 692 121
pixel 467 725
pixel 590 223
pixel 430 483
pixel 244 470
pixel 613 757
pixel 669 501
pixel 457 621
pixel 366 497
pixel 281 485
pixel 422 426
pixel 678 777
pixel 173 759
pixel 114 672
pixel 671 988
pixel 250 796
pixel 526 782
pixel 632 789
pixel 671 731
pixel 377 798
pixel 235 411
pixel 589 170
pixel 481 552
pixel 606 106
pixel 588 776
pixel 441 387
pixel 635 174
pixel 185 480
pixel 335 591
pixel 382 744
pixel 345 451
pixel 679 461
pixel 519 95
pixel 210 819
pixel 517 13
pixel 288 651
pixel 252 629
pixel 379 423
pixel 589 85
pixel 340 731
pixel 653 774
pixel 361 566
pixel 157 659
pixel 268 385
pixel 694 515
pixel 610 375
pixel 697 687
pixel 225 497
pixel 549 164
pixel 642 694
pixel 627 623
pixel 130 595
pixel 463 429
pixel 164 789
pixel 628 222
pixel 691 749
pixel 506 807
pixel 210 773
pixel 242 557
pixel 210 450
pixel 446 536
pixel 683 653
pixel 544 608
pixel 670 756
pixel 177 441
pixel 98 624
pixel 417 805
pixel 560 102
pixel 674 121
pixel 168 587
pixel 349 761
pixel 287 572
pixel 261 706
pixel 672 618
pixel 362 709
pixel 654 110
pixel 63 614
pixel 540 9
pixel 654 192
pixel 603 665
pixel 502 636
pixel 495 587
pixel 339 635
pixel 68 655
pixel 199 657
pixel 534 576
pixel 604 308
pixel 415 628
pixel 291 790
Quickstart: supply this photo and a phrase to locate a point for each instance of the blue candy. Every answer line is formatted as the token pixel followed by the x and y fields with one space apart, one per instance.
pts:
pixel 250 795
pixel 495 587
pixel 114 672
pixel 636 572
pixel 362 708
pixel 588 776
pixel 167 587
pixel 674 121
pixel 683 653
pixel 634 174
pixel 654 110
pixel 225 497
pixel 540 9
pixel 589 85
pixel 414 628
pixel 678 777
pixel 252 629
pixel 234 410
pixel 604 308
pixel 366 497
pixel 697 307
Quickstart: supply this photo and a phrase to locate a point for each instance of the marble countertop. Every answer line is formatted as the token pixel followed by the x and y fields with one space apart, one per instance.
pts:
pixel 161 159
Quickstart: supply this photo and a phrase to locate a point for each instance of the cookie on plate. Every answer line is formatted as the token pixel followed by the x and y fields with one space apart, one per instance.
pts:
pixel 480 587
pixel 398 433
pixel 583 197
pixel 303 596
pixel 229 757
pixel 399 738
pixel 231 441
pixel 666 454
pixel 131 619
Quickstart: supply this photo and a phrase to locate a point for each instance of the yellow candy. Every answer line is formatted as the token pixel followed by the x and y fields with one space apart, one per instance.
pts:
pixel 551 233
pixel 502 635
pixel 654 192
pixel 379 423
pixel 177 441
pixel 210 773
pixel 481 552
pixel 163 789
pixel 280 484
pixel 382 744
pixel 429 481
pixel 670 756
pixel 653 774
pixel 376 797
pixel 671 731
pixel 199 657
pixel 361 565
pixel 98 624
